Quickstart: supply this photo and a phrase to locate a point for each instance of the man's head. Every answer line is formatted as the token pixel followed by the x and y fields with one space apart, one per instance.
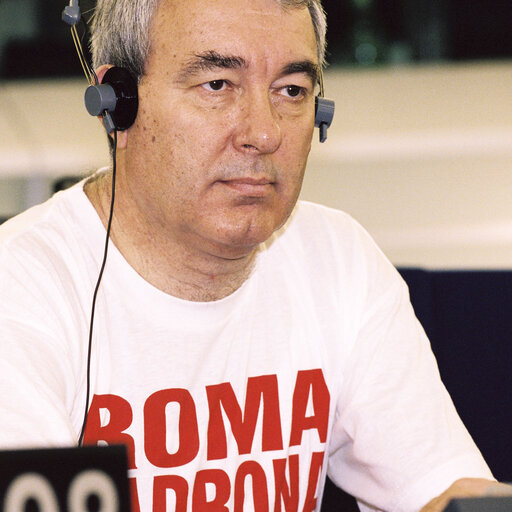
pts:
pixel 121 31
pixel 215 159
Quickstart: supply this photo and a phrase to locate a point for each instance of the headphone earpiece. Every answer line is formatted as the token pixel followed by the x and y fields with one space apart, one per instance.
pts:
pixel 324 113
pixel 116 99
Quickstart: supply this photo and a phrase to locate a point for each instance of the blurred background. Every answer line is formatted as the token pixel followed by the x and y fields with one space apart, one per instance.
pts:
pixel 420 150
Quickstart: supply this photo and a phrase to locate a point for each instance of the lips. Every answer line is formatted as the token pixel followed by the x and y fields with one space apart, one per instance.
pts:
pixel 250 186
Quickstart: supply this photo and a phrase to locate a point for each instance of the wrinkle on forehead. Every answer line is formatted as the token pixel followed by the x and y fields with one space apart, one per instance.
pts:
pixel 199 36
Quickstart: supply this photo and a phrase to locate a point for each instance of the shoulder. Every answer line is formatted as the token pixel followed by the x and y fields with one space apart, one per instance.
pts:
pixel 43 247
pixel 45 226
pixel 328 233
pixel 323 223
pixel 333 250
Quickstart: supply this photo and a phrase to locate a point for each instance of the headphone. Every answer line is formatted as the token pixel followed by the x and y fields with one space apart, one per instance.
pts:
pixel 116 98
pixel 324 111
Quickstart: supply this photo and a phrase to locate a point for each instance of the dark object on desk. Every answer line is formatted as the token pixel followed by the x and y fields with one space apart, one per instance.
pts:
pixel 483 504
pixel 64 479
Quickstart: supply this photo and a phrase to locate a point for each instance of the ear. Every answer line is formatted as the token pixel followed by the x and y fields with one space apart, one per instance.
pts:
pixel 100 72
pixel 121 135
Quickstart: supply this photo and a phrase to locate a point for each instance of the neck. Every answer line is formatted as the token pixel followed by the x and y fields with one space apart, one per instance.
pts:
pixel 172 264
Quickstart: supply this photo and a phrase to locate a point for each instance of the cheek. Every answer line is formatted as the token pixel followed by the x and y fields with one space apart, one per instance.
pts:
pixel 188 136
pixel 144 136
pixel 295 151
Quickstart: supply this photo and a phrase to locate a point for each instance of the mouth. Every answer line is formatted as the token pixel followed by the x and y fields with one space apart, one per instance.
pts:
pixel 250 186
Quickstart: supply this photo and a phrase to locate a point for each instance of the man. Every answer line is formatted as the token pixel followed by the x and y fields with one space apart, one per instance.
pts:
pixel 244 346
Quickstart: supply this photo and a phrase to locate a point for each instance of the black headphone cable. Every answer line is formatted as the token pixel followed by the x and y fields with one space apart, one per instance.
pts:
pixel 98 282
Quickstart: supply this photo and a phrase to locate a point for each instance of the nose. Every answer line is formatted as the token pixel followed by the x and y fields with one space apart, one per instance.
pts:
pixel 258 129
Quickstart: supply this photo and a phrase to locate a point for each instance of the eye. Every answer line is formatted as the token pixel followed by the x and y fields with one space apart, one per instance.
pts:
pixel 293 91
pixel 215 85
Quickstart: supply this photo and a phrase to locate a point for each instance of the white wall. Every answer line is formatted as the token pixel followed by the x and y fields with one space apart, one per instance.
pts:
pixel 45 133
pixel 421 156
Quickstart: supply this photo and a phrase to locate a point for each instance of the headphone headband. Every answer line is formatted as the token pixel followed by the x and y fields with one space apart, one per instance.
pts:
pixel 116 98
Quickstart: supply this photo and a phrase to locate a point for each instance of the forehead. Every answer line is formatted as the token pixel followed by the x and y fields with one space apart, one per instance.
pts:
pixel 254 29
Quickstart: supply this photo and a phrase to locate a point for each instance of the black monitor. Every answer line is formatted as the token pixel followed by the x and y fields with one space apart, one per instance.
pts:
pixel 481 504
pixel 64 479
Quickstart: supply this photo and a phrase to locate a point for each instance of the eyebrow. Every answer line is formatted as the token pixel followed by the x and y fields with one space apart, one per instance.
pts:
pixel 306 67
pixel 209 61
pixel 212 60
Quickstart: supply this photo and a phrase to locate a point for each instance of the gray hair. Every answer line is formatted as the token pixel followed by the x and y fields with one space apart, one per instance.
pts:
pixel 121 31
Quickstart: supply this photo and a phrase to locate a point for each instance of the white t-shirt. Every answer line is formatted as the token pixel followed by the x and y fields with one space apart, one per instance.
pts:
pixel 316 365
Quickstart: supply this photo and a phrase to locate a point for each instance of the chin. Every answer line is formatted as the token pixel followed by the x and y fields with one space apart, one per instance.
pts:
pixel 238 243
pixel 245 244
pixel 240 230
